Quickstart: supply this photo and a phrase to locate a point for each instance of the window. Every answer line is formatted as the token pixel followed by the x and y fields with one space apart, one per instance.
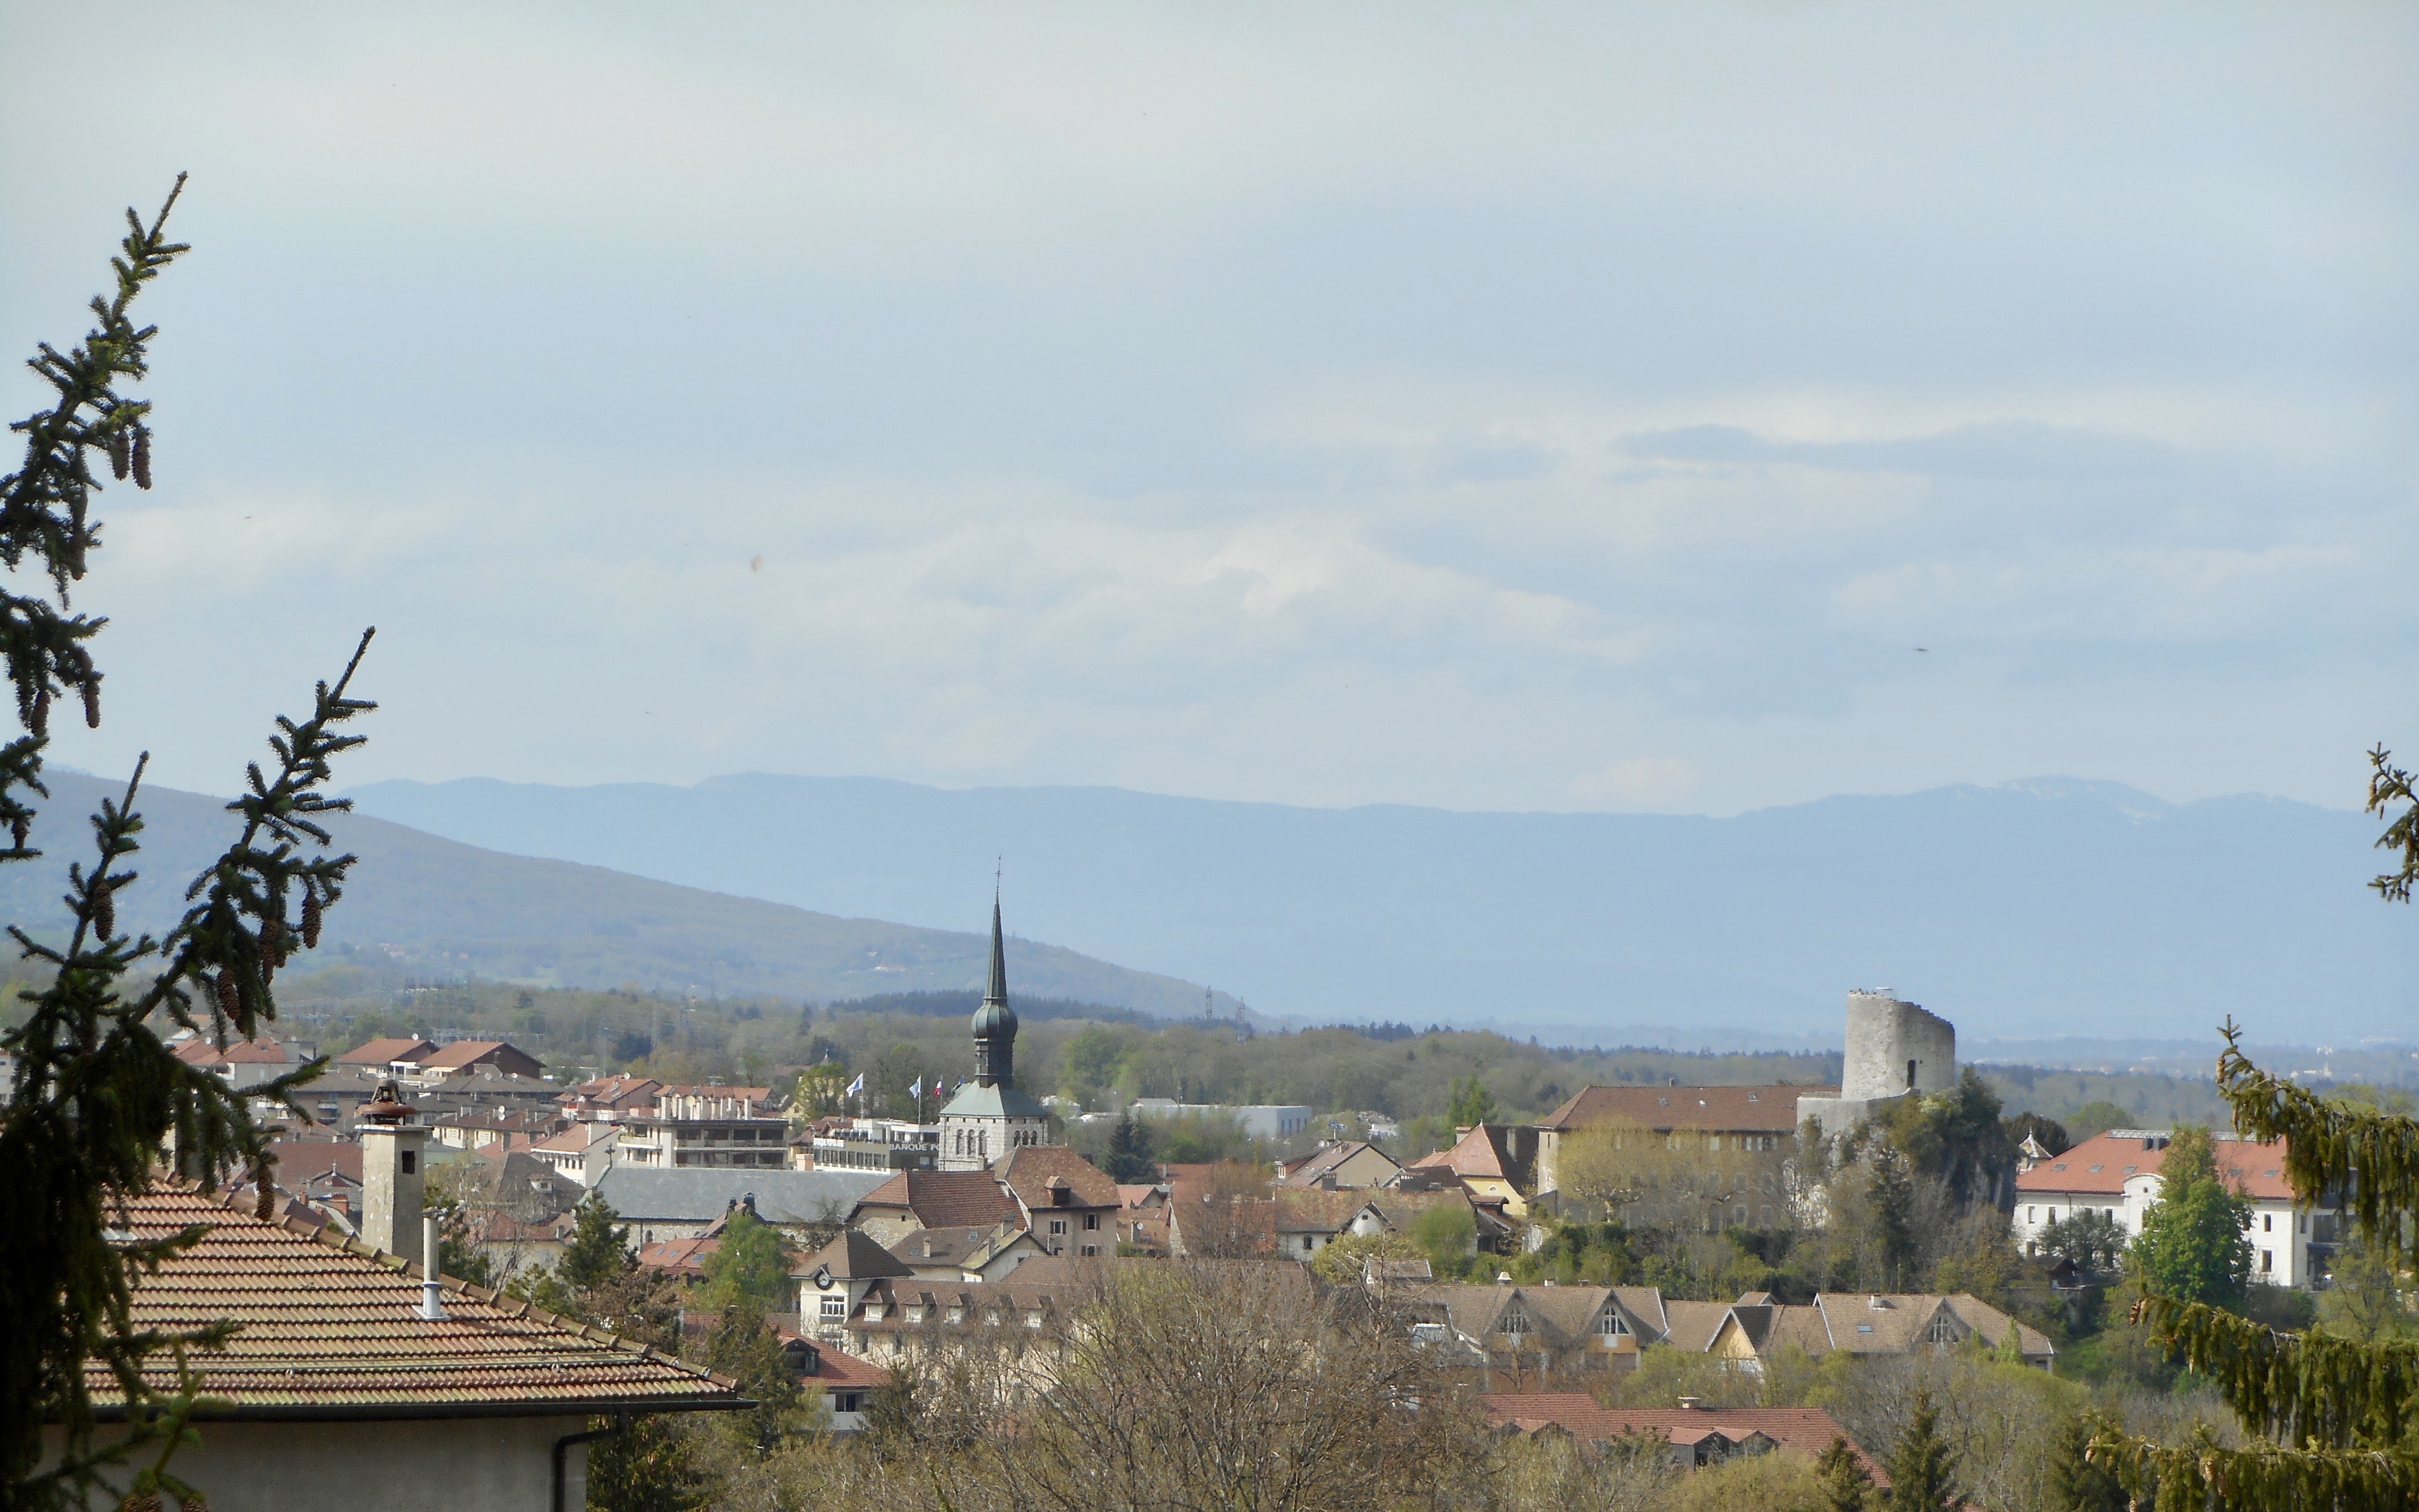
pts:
pixel 835 1307
pixel 2267 1222
pixel 1942 1331
pixel 410 1161
pixel 1910 1073
pixel 1515 1324
pixel 848 1401
pixel 1306 1245
pixel 1033 1318
pixel 1091 1223
pixel 957 1315
pixel 1092 1249
pixel 2029 1213
pixel 1612 1327
pixel 1058 1227
pixel 2267 1260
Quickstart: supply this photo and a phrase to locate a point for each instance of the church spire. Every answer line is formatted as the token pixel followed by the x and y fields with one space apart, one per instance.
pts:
pixel 995 1021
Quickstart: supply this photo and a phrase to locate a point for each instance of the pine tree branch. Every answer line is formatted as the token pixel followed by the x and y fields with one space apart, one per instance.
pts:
pixel 2259 1478
pixel 2310 1389
pixel 2369 1162
pixel 2388 785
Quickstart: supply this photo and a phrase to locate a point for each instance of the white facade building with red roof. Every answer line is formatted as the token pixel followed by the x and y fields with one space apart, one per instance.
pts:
pixel 2117 1173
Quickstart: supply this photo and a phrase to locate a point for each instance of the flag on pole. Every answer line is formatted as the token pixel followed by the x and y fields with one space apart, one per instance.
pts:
pixel 916 1088
pixel 857 1086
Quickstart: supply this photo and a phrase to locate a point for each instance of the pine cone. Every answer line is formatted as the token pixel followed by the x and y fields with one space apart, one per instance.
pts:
pixel 230 1000
pixel 18 829
pixel 311 911
pixel 143 457
pixel 118 454
pixel 42 720
pixel 92 704
pixel 271 929
pixel 104 911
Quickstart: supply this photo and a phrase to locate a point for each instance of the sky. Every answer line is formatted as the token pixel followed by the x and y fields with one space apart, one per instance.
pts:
pixel 1687 408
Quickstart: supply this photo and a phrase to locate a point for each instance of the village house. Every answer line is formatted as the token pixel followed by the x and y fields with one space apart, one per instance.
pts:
pixel 914 1200
pixel 1516 1333
pixel 1746 1134
pixel 393 1056
pixel 1497 1163
pixel 1070 1204
pixel 447 1062
pixel 967 1254
pixel 2116 1173
pixel 581 1154
pixel 1699 1435
pixel 1351 1164
pixel 609 1099
pixel 1754 1328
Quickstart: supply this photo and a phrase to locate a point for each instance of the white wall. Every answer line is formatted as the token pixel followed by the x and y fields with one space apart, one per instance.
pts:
pixel 2279 1232
pixel 459 1465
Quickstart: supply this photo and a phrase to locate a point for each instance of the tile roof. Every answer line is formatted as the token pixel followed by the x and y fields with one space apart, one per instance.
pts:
pixel 1480 1152
pixel 1690 1325
pixel 854 1255
pixel 1753 1109
pixel 303 1160
pixel 945 1199
pixel 462 1053
pixel 1311 1167
pixel 967 1248
pixel 1028 1171
pixel 2102 1165
pixel 1806 1428
pixel 328 1327
pixel 386 1051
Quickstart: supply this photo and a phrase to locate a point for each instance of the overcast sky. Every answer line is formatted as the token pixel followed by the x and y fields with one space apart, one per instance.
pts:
pixel 1490 407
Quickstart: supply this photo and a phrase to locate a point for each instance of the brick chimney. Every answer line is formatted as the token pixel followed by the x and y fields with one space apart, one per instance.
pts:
pixel 394 1149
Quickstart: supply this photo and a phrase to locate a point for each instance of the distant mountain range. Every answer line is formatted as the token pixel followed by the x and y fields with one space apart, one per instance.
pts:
pixel 2037 910
pixel 442 909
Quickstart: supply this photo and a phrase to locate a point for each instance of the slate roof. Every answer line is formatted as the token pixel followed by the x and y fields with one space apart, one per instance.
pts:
pixel 703 1193
pixel 1747 1109
pixel 2102 1165
pixel 330 1328
pixel 1809 1430
pixel 854 1255
pixel 975 1100
pixel 944 1200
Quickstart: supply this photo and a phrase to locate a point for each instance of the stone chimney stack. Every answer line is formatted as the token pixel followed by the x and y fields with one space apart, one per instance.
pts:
pixel 394 1149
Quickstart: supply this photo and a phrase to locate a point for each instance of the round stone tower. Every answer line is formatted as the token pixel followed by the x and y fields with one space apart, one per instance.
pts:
pixel 1895 1047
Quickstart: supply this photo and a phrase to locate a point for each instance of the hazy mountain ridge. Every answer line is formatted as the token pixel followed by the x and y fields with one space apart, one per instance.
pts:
pixel 2051 907
pixel 453 909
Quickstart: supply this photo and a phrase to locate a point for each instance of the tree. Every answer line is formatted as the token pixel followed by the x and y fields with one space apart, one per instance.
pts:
pixel 1473 1104
pixel 598 1250
pixel 1128 1159
pixel 2076 1483
pixel 1889 1191
pixel 97 1095
pixel 2363 1297
pixel 1343 1260
pixel 2194 1245
pixel 2045 1131
pixel 751 1266
pixel 1921 1467
pixel 1847 1485
pixel 2087 1236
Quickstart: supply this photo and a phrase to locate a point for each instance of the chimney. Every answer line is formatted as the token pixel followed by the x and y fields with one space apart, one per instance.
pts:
pixel 395 1146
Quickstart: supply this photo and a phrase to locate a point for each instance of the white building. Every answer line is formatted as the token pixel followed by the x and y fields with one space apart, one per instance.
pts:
pixel 2117 1173
pixel 725 1126
pixel 1259 1120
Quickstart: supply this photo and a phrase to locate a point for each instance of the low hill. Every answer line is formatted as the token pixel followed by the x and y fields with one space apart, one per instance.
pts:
pixel 447 909
pixel 2038 909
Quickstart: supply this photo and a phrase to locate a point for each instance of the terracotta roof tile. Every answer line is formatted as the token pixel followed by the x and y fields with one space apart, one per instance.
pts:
pixel 2102 1165
pixel 329 1325
pixel 1809 1430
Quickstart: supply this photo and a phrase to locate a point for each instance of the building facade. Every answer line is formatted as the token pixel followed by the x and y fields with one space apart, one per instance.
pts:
pixel 2116 1173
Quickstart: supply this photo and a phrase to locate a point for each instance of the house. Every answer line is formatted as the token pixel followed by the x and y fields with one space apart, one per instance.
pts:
pixel 1142 1216
pixel 682 1259
pixel 1307 1220
pixel 911 1201
pixel 609 1099
pixel 847 1382
pixel 243 1064
pixel 2117 1173
pixel 452 1061
pixel 1259 1120
pixel 393 1055
pixel 1070 1204
pixel 967 1254
pixel 1496 1162
pixel 583 1152
pixel 336 1362
pixel 835 1278
pixel 473 1128
pixel 683 1203
pixel 733 1127
pixel 1349 1164
pixel 1518 1332
pixel 1757 1122
pixel 1699 1436
pixel 1754 1328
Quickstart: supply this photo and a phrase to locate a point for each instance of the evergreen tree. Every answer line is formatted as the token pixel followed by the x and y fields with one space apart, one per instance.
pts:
pixel 750 1267
pixel 1846 1485
pixel 2194 1245
pixel 2333 1417
pixel 97 1094
pixel 2363 1297
pixel 1890 1193
pixel 598 1250
pixel 1128 1159
pixel 2074 1483
pixel 1923 1465
pixel 1473 1103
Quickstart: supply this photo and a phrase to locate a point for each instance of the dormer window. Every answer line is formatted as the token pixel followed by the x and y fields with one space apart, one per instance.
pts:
pixel 1612 1327
pixel 1942 1331
pixel 1514 1324
pixel 957 1315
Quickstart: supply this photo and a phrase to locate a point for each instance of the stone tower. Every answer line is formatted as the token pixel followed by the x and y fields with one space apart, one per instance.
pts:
pixel 394 1148
pixel 1895 1049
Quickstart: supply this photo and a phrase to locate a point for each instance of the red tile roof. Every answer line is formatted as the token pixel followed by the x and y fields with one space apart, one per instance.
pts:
pixel 1755 1109
pixel 2102 1165
pixel 945 1199
pixel 386 1051
pixel 1028 1172
pixel 328 1327
pixel 1807 1428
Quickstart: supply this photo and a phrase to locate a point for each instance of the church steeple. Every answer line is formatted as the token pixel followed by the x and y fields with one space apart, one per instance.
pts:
pixel 995 1021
